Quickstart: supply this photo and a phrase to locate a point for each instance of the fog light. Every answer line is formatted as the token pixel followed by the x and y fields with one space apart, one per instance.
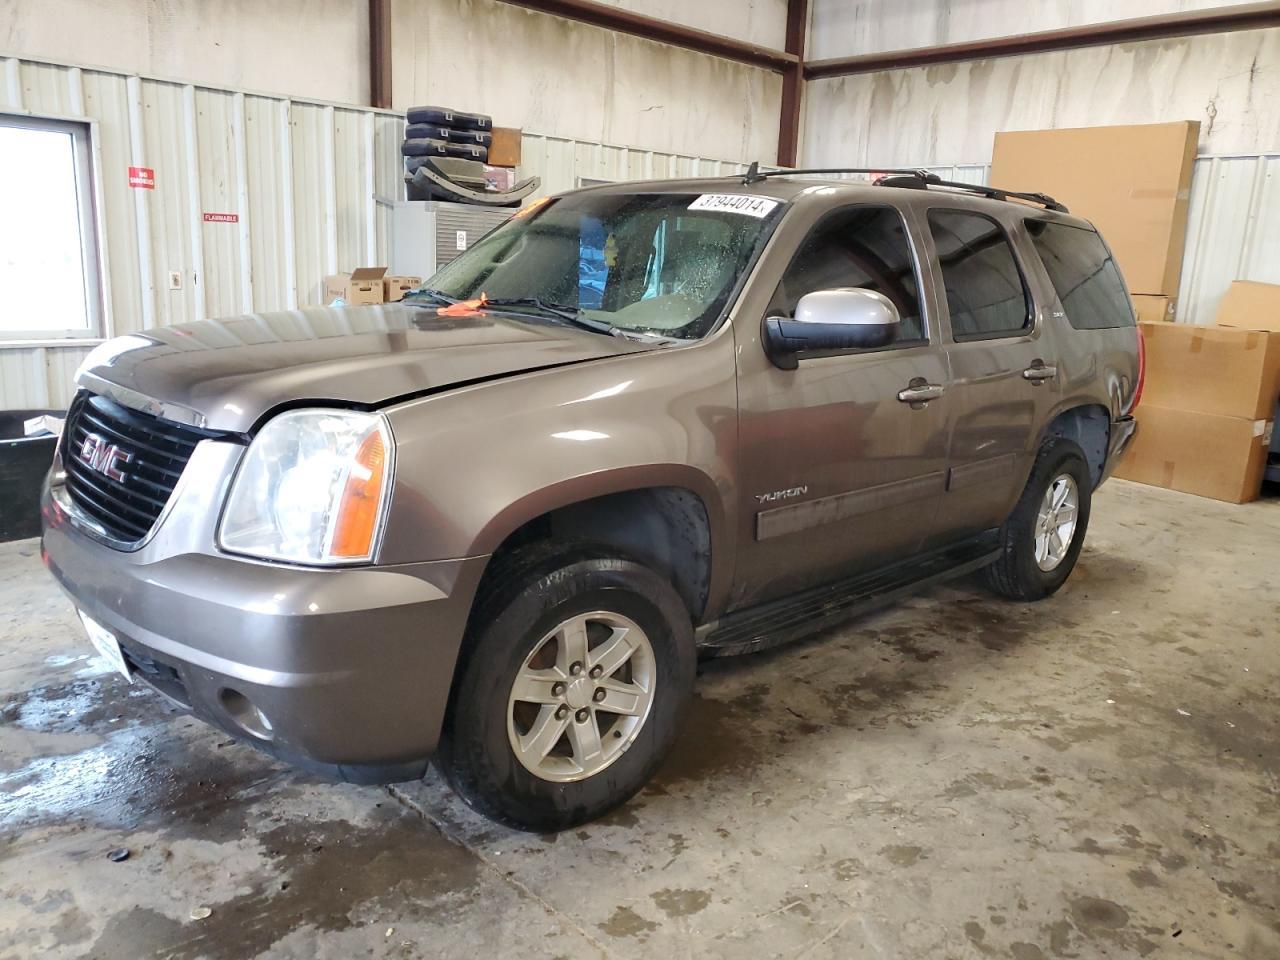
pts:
pixel 244 714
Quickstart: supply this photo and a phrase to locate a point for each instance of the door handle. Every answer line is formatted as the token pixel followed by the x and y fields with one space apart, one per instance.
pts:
pixel 1039 371
pixel 919 392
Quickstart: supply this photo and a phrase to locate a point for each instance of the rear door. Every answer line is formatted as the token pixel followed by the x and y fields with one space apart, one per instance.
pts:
pixel 1002 361
pixel 838 475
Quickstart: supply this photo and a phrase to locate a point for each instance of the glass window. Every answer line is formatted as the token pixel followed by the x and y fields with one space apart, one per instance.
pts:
pixel 986 295
pixel 48 254
pixel 863 246
pixel 1083 273
pixel 659 263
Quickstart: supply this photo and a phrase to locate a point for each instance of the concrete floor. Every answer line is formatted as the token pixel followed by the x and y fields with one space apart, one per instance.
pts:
pixel 1096 775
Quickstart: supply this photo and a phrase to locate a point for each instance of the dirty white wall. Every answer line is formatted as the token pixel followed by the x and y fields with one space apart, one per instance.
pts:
pixel 949 113
pixel 845 28
pixel 946 116
pixel 556 76
pixel 526 69
pixel 308 48
pixel 755 21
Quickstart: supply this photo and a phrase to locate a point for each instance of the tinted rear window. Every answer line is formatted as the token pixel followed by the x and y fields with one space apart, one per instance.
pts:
pixel 1083 273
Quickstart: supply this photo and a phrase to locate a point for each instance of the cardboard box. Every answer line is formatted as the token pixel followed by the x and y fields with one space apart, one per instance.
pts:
pixel 394 288
pixel 1200 453
pixel 1220 370
pixel 504 149
pixel 1152 309
pixel 1132 182
pixel 357 287
pixel 1250 306
pixel 500 179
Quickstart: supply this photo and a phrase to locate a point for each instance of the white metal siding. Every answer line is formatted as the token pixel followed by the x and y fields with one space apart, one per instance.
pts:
pixel 1233 231
pixel 304 178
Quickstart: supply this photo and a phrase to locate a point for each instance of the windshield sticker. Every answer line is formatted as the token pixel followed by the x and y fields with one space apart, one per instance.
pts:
pixel 759 207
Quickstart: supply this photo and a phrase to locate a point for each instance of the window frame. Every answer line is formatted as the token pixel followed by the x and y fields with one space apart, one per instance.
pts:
pixel 82 145
pixel 1029 323
pixel 913 250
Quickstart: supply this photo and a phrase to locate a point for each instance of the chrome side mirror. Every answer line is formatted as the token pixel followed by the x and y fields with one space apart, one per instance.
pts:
pixel 846 318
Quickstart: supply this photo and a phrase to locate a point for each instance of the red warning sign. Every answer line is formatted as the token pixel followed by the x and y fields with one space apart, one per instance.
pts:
pixel 142 178
pixel 222 218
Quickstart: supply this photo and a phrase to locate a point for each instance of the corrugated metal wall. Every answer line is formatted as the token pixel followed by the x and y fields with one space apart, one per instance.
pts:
pixel 1233 230
pixel 310 183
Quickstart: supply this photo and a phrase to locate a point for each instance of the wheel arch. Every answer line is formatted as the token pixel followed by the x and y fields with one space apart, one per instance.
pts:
pixel 670 519
pixel 1088 424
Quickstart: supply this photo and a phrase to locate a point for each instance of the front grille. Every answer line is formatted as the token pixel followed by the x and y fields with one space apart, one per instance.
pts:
pixel 151 456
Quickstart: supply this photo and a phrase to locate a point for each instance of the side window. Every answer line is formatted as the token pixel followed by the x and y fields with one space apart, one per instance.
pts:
pixel 986 294
pixel 863 246
pixel 1084 275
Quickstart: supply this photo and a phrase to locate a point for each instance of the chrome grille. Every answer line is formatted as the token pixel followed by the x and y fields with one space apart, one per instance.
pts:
pixel 122 465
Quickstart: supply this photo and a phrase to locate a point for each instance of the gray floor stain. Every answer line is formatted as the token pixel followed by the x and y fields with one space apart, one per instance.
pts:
pixel 1089 777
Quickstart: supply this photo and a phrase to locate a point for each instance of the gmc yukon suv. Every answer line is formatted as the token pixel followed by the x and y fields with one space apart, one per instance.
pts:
pixel 498 523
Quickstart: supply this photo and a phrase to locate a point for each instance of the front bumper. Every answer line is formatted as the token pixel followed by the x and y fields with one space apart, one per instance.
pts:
pixel 345 671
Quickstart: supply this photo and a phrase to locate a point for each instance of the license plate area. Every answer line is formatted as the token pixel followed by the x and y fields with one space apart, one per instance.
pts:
pixel 105 642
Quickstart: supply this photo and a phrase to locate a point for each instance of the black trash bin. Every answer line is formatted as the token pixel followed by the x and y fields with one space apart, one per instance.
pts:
pixel 23 463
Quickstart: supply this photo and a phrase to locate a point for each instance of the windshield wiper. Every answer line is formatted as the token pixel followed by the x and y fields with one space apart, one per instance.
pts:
pixel 424 293
pixel 560 311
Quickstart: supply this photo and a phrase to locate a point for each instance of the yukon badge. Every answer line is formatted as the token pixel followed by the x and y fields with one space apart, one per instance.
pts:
pixel 782 494
pixel 105 457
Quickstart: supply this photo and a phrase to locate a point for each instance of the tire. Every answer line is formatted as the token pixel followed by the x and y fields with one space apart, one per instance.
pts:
pixel 422 148
pixel 426 131
pixel 526 597
pixel 1019 574
pixel 446 117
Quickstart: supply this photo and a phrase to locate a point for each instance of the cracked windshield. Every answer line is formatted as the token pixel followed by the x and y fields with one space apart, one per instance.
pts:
pixel 657 263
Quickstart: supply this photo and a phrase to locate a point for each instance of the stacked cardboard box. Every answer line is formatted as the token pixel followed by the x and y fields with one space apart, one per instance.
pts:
pixel 1132 182
pixel 361 286
pixel 367 285
pixel 1206 417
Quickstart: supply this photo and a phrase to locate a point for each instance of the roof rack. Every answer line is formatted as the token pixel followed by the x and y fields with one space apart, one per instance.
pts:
pixel 911 179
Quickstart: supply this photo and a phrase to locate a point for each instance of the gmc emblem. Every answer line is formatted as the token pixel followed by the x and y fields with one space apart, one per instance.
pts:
pixel 106 458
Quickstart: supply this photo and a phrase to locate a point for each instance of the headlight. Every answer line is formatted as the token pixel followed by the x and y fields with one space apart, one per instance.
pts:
pixel 311 489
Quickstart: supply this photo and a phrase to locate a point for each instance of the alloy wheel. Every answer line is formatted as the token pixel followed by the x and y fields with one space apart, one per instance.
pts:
pixel 581 697
pixel 1056 522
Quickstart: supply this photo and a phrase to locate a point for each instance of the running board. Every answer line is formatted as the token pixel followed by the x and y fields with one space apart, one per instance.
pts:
pixel 780 621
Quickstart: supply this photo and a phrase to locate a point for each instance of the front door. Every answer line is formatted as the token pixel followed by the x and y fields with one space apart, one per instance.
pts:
pixel 1003 370
pixel 837 474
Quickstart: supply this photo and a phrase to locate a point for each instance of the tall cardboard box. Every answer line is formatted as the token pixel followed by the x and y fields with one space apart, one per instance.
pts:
pixel 504 148
pixel 1215 370
pixel 1151 309
pixel 1132 182
pixel 1249 305
pixel 1201 453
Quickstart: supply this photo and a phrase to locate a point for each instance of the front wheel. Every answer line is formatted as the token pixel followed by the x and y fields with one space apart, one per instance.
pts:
pixel 570 695
pixel 1041 540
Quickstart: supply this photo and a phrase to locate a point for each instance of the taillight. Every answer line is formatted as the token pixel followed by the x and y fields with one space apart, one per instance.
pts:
pixel 1142 372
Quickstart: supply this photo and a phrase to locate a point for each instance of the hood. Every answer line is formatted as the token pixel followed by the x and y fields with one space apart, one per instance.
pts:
pixel 228 373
